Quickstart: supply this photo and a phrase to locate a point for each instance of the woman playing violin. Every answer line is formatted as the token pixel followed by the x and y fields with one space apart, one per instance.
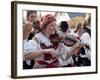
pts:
pixel 47 57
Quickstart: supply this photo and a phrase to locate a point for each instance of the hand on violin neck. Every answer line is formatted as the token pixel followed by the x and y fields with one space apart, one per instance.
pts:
pixel 78 45
pixel 76 48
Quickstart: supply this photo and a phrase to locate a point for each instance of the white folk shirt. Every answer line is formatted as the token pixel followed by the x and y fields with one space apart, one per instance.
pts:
pixel 62 50
pixel 85 38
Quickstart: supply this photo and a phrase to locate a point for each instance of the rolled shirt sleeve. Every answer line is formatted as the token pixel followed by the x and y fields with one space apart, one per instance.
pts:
pixel 30 46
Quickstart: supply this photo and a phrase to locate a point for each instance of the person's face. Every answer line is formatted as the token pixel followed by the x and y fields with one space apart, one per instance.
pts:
pixel 32 17
pixel 50 28
pixel 80 31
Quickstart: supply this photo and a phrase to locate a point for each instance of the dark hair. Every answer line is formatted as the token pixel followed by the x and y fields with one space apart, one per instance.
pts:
pixel 87 30
pixel 78 27
pixel 64 26
pixel 30 11
pixel 84 24
pixel 89 20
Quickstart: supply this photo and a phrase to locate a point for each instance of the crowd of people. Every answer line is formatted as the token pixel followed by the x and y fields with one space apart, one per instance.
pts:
pixel 45 46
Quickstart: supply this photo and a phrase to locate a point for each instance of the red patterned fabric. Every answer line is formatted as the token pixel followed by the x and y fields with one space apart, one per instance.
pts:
pixel 53 64
pixel 45 20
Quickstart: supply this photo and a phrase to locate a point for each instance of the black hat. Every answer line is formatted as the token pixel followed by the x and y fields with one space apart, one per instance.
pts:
pixel 64 26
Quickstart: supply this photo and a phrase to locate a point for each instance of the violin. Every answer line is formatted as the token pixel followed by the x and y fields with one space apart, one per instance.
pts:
pixel 68 40
pixel 35 30
pixel 36 26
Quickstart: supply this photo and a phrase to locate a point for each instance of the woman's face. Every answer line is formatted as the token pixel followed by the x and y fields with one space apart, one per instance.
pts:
pixel 32 17
pixel 50 28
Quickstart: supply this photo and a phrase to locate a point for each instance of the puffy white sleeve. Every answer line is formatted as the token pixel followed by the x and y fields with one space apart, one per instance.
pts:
pixel 31 46
pixel 63 51
pixel 85 38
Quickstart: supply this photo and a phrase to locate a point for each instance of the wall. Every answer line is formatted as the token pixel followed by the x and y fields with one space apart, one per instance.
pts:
pixel 5 40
